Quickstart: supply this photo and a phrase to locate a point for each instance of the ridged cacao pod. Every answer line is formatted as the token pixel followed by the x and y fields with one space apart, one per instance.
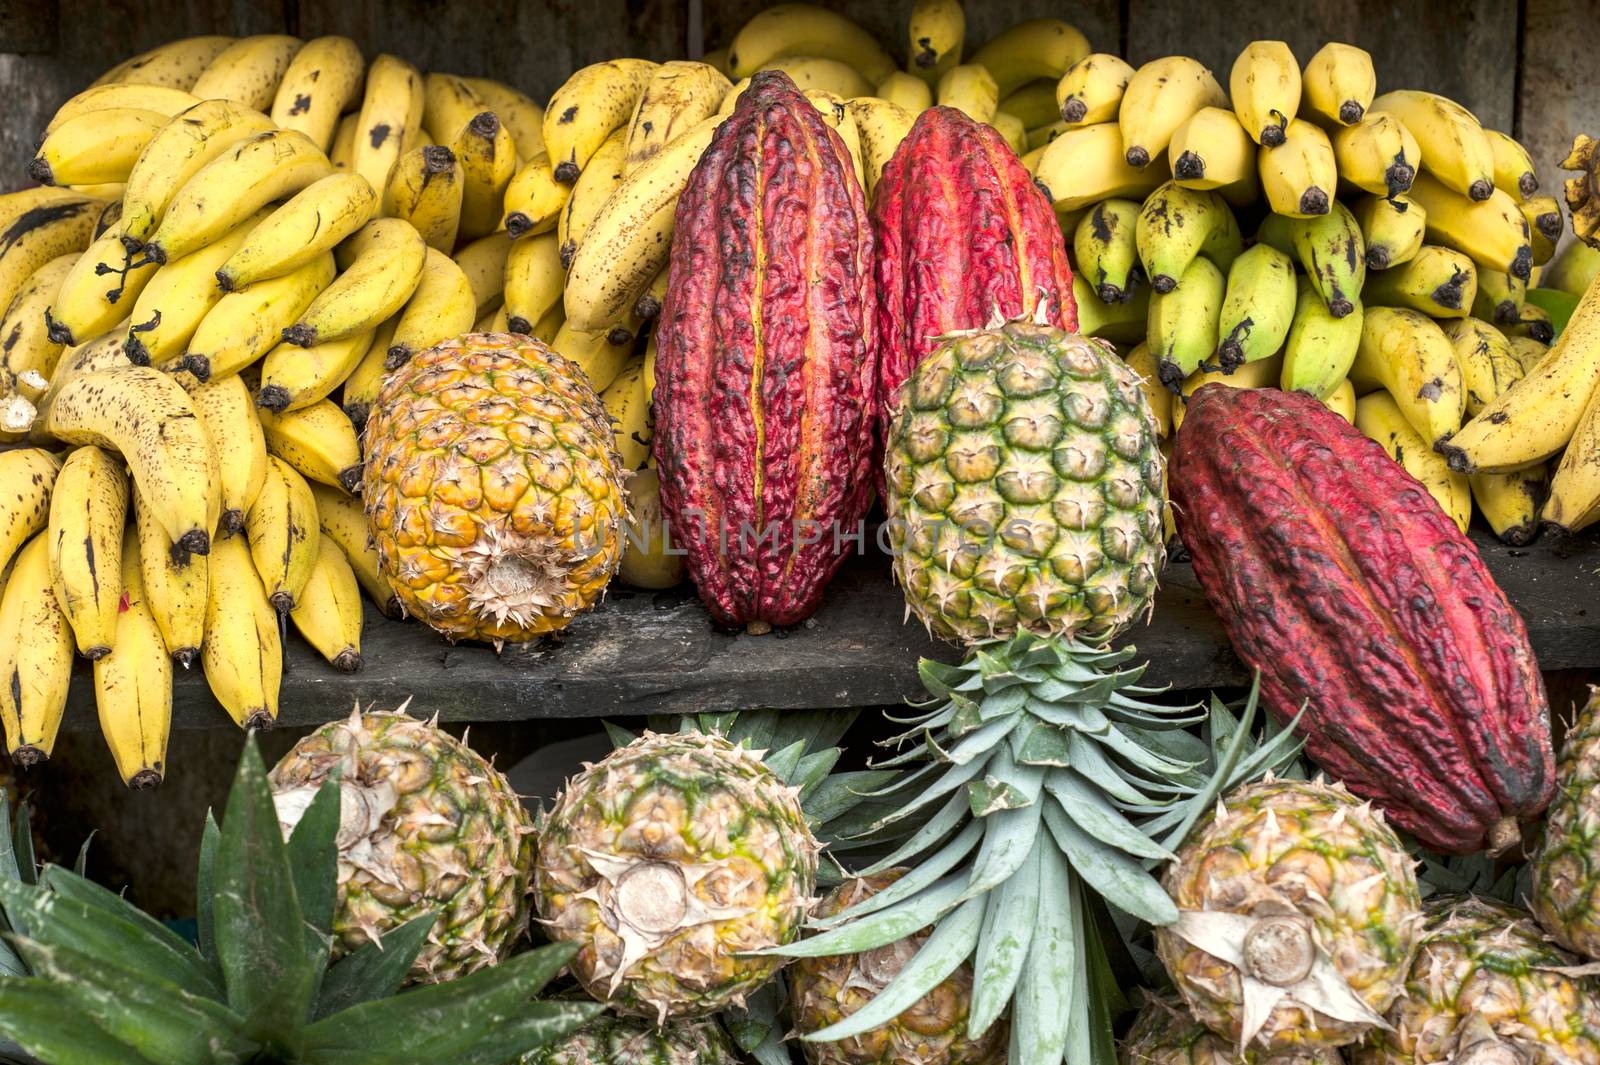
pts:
pixel 766 361
pixel 964 238
pixel 1338 577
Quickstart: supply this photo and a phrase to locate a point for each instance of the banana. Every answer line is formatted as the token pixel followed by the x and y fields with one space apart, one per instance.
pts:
pixel 1010 128
pixel 1436 281
pixel 328 612
pixel 1545 226
pixel 1259 374
pixel 391 114
pixel 1487 366
pixel 1337 86
pixel 1120 323
pixel 533 281
pixel 342 153
pixel 484 261
pixel 1182 331
pixel 1510 502
pixel 1514 172
pixel 1258 307
pixel 160 99
pixel 321 81
pixel 1491 231
pixel 1533 323
pixel 318 441
pixel 26 343
pixel 27 475
pixel 179 151
pixel 629 239
pixel 1391 229
pixel 294 377
pixel 1381 420
pixel 678 97
pixel 1377 154
pixel 592 105
pixel 449 102
pixel 1034 103
pixel 102 353
pixel 970 89
pixel 1500 298
pixel 233 186
pixel 937 30
pixel 316 219
pixel 14 205
pixel 1583 191
pixel 443 306
pixel 42 233
pixel 345 523
pixel 906 90
pixel 1031 49
pixel 1406 353
pixel 1144 364
pixel 1086 165
pixel 35 657
pixel 384 266
pixel 496 321
pixel 246 324
pixel 362 385
pixel 282 532
pixel 1574 501
pixel 628 405
pixel 535 199
pixel 1210 151
pixel 1090 90
pixel 881 126
pixel 94 148
pixel 88 509
pixel 426 188
pixel 1159 97
pixel 243 653
pixel 836 114
pixel 225 409
pixel 178 297
pixel 1265 87
pixel 176 64
pixel 488 160
pixel 517 110
pixel 1342 400
pixel 1334 256
pixel 601 355
pixel 1300 176
pixel 546 329
pixel 1176 225
pixel 797 29
pixel 1528 352
pixel 1105 248
pixel 249 71
pixel 98 291
pixel 594 187
pixel 1455 149
pixel 133 683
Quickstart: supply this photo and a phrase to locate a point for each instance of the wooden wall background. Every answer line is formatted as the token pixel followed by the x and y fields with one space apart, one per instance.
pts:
pixel 1524 65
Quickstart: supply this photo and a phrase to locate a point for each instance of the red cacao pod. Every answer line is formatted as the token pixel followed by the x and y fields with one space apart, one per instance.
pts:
pixel 964 236
pixel 766 361
pixel 1338 577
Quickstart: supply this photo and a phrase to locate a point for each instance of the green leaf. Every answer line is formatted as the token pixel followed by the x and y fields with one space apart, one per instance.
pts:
pixel 81 866
pixel 952 778
pixel 619 736
pixel 813 770
pixel 1035 743
pixel 937 828
pixel 1005 785
pixel 841 792
pixel 982 740
pixel 1088 759
pixel 22 845
pixel 885 926
pixel 49 1026
pixel 784 763
pixel 1080 1039
pixel 1118 879
pixel 761 1019
pixel 314 858
pixel 1008 838
pixel 1047 996
pixel 1008 921
pixel 73 886
pixel 374 970
pixel 1142 757
pixel 922 875
pixel 204 922
pixel 951 943
pixel 1003 703
pixel 1093 813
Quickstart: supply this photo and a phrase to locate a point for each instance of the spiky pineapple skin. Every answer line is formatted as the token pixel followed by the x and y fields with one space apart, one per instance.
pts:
pixel 666 805
pixel 1329 857
pixel 1486 965
pixel 1566 870
pixel 457 840
pixel 1164 1033
pixel 825 990
pixel 1025 487
pixel 614 1040
pixel 493 488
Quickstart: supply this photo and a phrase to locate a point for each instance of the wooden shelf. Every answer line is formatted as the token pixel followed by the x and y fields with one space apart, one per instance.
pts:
pixel 643 652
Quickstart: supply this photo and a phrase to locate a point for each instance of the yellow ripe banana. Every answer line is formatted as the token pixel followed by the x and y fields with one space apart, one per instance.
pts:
pixel 1491 231
pixel 98 291
pixel 1528 352
pixel 1455 149
pixel 629 407
pixel 1159 97
pixel 811 73
pixel 881 126
pixel 546 329
pixel 178 297
pixel 26 344
pixel 94 148
pixel 282 532
pixel 1545 226
pixel 448 104
pixel 534 199
pixel 1105 248
pixel 1034 103
pixel 533 281
pixel 1342 400
pixel 383 267
pixel 588 109
pixel 232 187
pixel 133 683
pixel 970 89
pixel 1437 281
pixel 345 523
pixel 937 31
pixel 1182 331
pixel 35 657
pixel 342 153
pixel 1514 172
pixel 426 188
pixel 1257 308
pixel 1391 229
pixel 156 98
pixel 318 441
pixel 1487 366
pixel 361 387
pixel 1380 419
pixel 1260 374
pixel 1086 165
pixel 1300 176
pixel 1210 150
pixel 1144 364
pixel 592 190
pixel 1377 154
pixel 488 160
pixel 105 352
pixel 43 233
pixel 249 71
pixel 245 325
pixel 1406 353
pixel 484 261
pixel 678 97
pixel 1124 322
pixel 1090 91
pixel 88 509
pixel 517 110
pixel 179 151
pixel 328 611
pixel 1337 86
pixel 321 81
pixel 834 112
pixel 311 224
pixel 1574 501
pixel 1331 251
pixel 1510 502
pixel 495 321
pixel 1030 49
pixel 27 475
pixel 649 304
pixel 294 377
pixel 442 307
pixel 391 113
pixel 1176 225
pixel 225 409
pixel 14 205
pixel 243 653
pixel 629 239
pixel 1500 299
pixel 602 354
pixel 176 64
pixel 1265 86
pixel 797 29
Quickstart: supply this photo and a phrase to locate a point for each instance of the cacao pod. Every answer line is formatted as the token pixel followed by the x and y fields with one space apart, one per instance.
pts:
pixel 1338 577
pixel 965 238
pixel 766 361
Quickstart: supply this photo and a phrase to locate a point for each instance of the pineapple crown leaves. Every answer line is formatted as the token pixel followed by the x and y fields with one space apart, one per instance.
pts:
pixel 258 987
pixel 1042 782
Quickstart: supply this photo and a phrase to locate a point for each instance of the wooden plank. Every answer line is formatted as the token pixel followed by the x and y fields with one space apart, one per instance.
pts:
pixel 1556 97
pixel 1465 50
pixel 29 25
pixel 643 653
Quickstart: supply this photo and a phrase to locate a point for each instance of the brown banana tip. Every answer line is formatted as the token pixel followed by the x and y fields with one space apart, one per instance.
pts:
pixel 1314 201
pixel 357 413
pixel 926 57
pixel 225 281
pixel 232 521
pixel 485 124
pixel 396 357
pixel 619 336
pixel 1550 225
pixel 1454 457
pixel 1138 157
pixel 350 479
pixel 186 656
pixel 144 779
pixel 156 254
pixel 1377 258
pixel 94 654
pixel 569 251
pixel 436 159
pixel 1351 112
pixel 39 170
pixel 1339 307
pixel 1163 283
pixel 1506 313
pixel 27 756
pixel 1521 535
pixel 135 350
pixel 260 721
pixel 58 333
pixel 1230 355
pixel 282 602
pixel 1189 167
pixel 1171 375
pixel 517 224
pixel 567 172
pixel 1522 265
pixel 198 365
pixel 1273 136
pixel 1541 331
pixel 647 306
pixel 1110 293
pixel 1480 190
pixel 132 245
pixel 274 398
pixel 301 336
pixel 1399 179
pixel 195 541
pixel 517 325
pixel 1074 110
pixel 347 661
pixel 1528 185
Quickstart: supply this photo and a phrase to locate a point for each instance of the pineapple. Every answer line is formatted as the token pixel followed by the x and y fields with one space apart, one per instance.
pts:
pixel 1488 989
pixel 613 1040
pixel 493 488
pixel 426 824
pixel 1300 914
pixel 1164 1033
pixel 1566 870
pixel 826 990
pixel 669 861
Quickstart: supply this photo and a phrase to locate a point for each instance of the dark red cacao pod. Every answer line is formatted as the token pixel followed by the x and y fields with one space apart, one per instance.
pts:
pixel 766 361
pixel 964 236
pixel 1338 577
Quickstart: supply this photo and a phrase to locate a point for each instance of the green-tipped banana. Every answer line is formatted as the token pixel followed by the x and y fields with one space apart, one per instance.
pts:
pixel 1278 231
pixel 1258 307
pixel 1321 348
pixel 1439 282
pixel 1334 255
pixel 1120 323
pixel 1182 326
pixel 1391 229
pixel 1105 248
pixel 1177 225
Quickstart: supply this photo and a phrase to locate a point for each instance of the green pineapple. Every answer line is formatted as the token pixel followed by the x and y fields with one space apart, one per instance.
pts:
pixel 1164 1033
pixel 1566 870
pixel 613 1040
